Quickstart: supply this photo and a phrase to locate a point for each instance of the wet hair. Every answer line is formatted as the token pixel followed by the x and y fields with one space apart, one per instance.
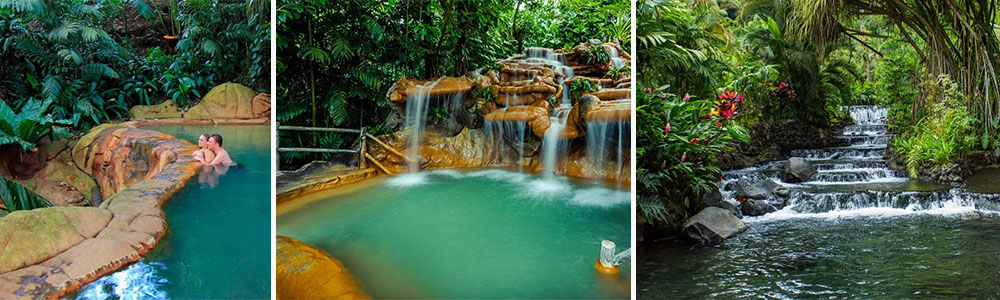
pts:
pixel 218 138
pixel 205 136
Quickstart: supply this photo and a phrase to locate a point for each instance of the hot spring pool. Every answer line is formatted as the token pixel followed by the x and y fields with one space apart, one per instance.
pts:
pixel 218 242
pixel 468 234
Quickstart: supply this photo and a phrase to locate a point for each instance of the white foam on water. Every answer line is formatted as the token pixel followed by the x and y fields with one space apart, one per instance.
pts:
pixel 600 197
pixel 501 175
pixel 546 188
pixel 407 180
pixel 951 207
pixel 138 281
pixel 447 172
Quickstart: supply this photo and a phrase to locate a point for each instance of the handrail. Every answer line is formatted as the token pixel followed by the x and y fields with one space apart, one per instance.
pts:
pixel 320 129
pixel 386 146
pixel 362 149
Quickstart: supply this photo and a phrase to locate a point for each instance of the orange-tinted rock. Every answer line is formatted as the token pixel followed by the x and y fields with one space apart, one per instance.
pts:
pixel 304 272
pixel 447 86
pixel 225 101
pixel 536 117
pixel 612 94
pixel 261 105
pixel 156 164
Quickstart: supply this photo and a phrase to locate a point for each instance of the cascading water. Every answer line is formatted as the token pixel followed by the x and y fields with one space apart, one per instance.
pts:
pixel 606 139
pixel 616 60
pixel 417 106
pixel 856 179
pixel 507 135
pixel 553 147
pixel 558 64
pixel 854 230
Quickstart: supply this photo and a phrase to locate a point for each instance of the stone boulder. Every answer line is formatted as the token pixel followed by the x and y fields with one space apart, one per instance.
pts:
pixel 796 169
pixel 32 236
pixel 714 199
pixel 755 208
pixel 261 105
pixel 304 272
pixel 712 225
pixel 226 101
pixel 760 190
pixel 165 110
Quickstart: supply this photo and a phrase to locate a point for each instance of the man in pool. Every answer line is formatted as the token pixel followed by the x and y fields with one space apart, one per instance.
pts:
pixel 221 156
pixel 204 155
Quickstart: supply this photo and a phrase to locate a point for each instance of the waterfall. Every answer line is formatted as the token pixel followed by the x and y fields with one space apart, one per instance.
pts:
pixel 416 116
pixel 504 135
pixel 606 139
pixel 855 181
pixel 554 148
pixel 558 65
pixel 616 60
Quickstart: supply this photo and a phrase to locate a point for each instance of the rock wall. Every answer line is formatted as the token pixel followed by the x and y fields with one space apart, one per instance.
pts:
pixel 143 168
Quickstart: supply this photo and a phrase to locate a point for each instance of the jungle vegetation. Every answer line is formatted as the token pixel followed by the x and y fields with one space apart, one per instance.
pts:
pixel 337 59
pixel 932 62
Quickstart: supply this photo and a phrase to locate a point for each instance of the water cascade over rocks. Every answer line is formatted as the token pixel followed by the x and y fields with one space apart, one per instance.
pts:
pixel 519 113
pixel 854 180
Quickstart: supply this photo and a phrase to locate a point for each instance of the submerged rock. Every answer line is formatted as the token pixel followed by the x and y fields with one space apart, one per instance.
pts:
pixel 712 225
pixel 755 208
pixel 797 169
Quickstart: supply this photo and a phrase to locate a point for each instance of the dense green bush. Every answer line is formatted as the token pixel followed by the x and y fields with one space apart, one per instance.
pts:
pixel 15 196
pixel 944 134
pixel 677 144
pixel 28 126
pixel 61 51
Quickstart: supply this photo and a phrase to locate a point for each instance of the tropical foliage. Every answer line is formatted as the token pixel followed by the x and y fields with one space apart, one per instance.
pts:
pixel 15 196
pixel 79 55
pixel 337 59
pixel 676 147
pixel 28 126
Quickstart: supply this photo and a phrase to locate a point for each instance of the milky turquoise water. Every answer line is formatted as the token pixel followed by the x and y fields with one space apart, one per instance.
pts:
pixel 218 244
pixel 470 234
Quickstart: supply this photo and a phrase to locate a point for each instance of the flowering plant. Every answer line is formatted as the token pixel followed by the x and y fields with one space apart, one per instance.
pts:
pixel 677 142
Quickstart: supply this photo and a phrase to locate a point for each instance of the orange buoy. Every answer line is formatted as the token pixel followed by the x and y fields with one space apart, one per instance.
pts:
pixel 612 270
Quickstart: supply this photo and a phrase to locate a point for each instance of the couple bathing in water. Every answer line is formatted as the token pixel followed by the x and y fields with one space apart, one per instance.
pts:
pixel 213 157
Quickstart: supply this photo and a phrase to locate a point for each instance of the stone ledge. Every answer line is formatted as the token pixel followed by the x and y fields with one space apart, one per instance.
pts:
pixel 157 165
pixel 304 272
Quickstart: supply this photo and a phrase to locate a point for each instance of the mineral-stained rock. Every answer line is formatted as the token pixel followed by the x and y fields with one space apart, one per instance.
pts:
pixel 261 105
pixel 797 169
pixel 447 86
pixel 226 101
pixel 756 208
pixel 712 225
pixel 536 117
pixel 304 272
pixel 118 157
pixel 32 236
pixel 165 110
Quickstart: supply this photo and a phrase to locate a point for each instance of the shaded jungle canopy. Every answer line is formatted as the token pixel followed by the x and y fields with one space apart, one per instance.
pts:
pixel 337 59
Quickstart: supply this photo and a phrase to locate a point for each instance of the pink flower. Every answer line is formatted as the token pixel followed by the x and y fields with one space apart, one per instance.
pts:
pixel 718 124
pixel 720 177
pixel 645 90
pixel 663 96
pixel 663 165
pixel 687 98
pixel 684 156
pixel 707 141
pixel 667 129
pixel 693 141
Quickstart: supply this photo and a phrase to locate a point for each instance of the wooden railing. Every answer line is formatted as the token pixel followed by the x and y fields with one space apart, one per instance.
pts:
pixel 361 151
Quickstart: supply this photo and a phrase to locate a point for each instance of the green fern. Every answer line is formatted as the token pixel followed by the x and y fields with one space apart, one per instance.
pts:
pixel 28 126
pixel 17 197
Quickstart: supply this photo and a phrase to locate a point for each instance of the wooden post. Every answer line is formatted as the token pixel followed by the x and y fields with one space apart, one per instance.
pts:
pixel 277 156
pixel 361 149
pixel 607 253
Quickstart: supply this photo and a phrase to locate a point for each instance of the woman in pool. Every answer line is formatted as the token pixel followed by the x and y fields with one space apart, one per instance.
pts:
pixel 215 166
pixel 204 154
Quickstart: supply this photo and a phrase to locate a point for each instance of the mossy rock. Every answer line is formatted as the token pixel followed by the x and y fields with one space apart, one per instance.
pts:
pixel 226 101
pixel 81 148
pixel 165 110
pixel 32 236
